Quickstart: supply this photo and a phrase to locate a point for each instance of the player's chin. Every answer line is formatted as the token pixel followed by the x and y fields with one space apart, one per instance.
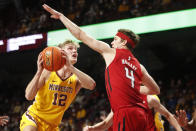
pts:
pixel 74 61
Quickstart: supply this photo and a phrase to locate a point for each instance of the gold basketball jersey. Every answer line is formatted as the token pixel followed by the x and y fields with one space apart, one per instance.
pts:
pixel 54 98
pixel 157 118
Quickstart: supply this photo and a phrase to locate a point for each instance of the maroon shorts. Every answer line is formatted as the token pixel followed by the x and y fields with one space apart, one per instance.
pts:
pixel 130 119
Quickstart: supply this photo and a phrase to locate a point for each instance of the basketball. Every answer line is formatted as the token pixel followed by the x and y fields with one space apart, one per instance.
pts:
pixel 52 58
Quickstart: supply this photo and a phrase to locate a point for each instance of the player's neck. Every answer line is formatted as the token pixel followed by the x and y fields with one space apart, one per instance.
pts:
pixel 123 47
pixel 64 72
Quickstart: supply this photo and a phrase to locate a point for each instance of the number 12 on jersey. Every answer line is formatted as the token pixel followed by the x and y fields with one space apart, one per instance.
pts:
pixel 129 74
pixel 61 101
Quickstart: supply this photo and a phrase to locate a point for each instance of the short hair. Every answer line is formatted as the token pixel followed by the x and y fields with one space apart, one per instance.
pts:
pixel 131 35
pixel 61 45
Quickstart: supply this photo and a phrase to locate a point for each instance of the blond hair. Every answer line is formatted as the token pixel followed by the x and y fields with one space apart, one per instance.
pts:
pixel 61 45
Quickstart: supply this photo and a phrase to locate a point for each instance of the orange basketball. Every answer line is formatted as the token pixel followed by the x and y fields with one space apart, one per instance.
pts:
pixel 52 58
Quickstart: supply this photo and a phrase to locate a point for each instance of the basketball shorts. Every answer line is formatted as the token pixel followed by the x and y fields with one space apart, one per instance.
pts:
pixel 130 119
pixel 30 119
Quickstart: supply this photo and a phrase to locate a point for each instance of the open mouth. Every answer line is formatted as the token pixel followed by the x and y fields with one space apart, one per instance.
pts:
pixel 74 55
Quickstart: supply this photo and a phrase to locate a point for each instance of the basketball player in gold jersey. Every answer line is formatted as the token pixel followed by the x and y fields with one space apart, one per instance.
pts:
pixel 154 105
pixel 54 91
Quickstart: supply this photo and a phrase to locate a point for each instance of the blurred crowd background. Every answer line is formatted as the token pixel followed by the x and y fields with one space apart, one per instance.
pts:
pixel 22 17
pixel 171 63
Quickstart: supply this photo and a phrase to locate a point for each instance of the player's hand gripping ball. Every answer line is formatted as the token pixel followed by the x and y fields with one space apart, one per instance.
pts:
pixel 52 58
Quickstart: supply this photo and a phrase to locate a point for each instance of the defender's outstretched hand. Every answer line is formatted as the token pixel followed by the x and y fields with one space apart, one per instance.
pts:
pixel 181 118
pixel 54 14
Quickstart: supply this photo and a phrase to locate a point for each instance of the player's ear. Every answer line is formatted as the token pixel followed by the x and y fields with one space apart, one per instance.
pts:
pixel 125 42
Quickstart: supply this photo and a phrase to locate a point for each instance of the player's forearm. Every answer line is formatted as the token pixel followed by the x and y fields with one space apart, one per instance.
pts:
pixel 86 81
pixel 104 125
pixel 77 32
pixel 101 126
pixel 153 87
pixel 32 88
pixel 173 122
pixel 147 91
pixel 73 28
pixel 98 127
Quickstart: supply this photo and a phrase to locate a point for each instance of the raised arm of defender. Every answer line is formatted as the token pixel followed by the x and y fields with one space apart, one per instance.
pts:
pixel 101 47
pixel 76 31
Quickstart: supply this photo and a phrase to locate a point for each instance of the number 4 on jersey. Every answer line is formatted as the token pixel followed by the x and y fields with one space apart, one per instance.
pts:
pixel 129 74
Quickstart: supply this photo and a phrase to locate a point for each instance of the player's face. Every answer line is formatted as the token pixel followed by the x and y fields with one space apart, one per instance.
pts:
pixel 117 42
pixel 72 52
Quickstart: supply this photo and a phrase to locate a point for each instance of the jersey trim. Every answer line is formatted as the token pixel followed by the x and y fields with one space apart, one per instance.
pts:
pixel 108 76
pixel 30 117
pixel 108 92
pixel 64 78
pixel 119 126
pixel 124 124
